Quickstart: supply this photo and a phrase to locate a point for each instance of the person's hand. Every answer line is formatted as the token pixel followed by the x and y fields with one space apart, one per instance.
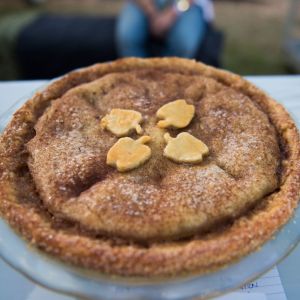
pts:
pixel 162 22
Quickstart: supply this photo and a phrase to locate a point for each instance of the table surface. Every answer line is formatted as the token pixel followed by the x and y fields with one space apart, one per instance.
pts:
pixel 285 89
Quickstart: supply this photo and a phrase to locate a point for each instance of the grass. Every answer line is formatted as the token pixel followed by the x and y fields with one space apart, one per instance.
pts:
pixel 254 36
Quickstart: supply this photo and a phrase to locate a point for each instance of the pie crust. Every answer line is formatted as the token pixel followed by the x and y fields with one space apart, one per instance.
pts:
pixel 162 218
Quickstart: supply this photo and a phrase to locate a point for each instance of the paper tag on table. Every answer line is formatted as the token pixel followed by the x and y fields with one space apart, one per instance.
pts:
pixel 266 287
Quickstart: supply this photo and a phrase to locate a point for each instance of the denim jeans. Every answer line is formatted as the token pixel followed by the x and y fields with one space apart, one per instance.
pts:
pixel 183 39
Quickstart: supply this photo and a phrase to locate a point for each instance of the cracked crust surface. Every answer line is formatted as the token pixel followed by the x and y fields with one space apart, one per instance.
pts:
pixel 58 192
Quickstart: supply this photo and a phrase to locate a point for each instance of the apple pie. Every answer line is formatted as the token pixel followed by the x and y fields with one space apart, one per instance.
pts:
pixel 149 167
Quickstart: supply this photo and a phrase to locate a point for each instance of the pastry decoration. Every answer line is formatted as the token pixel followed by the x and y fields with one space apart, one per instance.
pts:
pixel 177 114
pixel 127 154
pixel 184 148
pixel 121 121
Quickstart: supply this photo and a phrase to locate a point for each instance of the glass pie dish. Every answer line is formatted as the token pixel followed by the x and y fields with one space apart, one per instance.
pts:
pixel 66 279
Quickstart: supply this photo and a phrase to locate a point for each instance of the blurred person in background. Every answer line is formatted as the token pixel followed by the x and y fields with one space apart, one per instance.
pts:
pixel 179 25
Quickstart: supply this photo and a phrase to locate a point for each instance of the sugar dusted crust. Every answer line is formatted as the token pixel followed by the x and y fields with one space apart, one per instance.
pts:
pixel 52 212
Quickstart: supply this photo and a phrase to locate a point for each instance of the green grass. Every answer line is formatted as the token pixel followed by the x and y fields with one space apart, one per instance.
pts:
pixel 253 38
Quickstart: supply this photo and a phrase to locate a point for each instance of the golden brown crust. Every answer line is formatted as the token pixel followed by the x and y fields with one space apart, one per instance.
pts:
pixel 197 254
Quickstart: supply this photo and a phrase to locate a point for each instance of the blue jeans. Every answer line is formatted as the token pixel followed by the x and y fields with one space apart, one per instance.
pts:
pixel 183 39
